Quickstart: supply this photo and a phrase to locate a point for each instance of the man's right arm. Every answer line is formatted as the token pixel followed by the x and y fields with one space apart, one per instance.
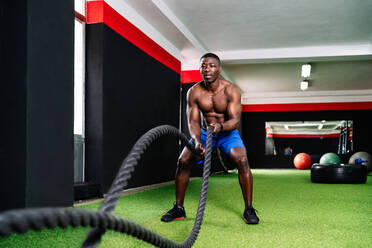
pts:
pixel 193 117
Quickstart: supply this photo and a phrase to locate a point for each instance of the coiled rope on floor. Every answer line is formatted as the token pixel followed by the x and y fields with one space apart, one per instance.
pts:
pixel 21 221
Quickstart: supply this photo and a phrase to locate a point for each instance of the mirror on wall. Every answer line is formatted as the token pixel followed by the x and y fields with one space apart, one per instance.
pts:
pixel 286 138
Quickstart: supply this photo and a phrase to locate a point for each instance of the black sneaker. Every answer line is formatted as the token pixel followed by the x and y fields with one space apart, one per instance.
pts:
pixel 176 213
pixel 250 216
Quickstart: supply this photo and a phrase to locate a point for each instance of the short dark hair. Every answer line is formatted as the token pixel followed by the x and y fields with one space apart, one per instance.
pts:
pixel 211 55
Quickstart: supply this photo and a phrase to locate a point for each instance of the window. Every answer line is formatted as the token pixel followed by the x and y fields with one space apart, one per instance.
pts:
pixel 79 86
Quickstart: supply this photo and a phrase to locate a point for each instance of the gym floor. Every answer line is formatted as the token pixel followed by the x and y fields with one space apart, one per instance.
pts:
pixel 294 213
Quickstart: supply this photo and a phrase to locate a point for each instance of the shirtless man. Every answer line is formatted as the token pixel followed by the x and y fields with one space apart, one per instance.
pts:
pixel 219 102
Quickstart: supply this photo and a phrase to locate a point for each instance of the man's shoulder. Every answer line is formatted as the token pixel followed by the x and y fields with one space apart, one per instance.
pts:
pixel 230 87
pixel 196 87
pixel 194 91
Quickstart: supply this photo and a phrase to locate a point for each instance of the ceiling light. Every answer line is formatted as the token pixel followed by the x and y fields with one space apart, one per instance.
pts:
pixel 304 84
pixel 305 72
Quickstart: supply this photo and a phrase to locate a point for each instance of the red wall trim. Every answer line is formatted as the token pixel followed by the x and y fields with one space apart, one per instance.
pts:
pixel 99 11
pixel 94 11
pixel 336 135
pixel 191 76
pixel 306 106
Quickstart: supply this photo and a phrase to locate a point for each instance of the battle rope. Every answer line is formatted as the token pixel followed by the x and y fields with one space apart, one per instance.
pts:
pixel 37 219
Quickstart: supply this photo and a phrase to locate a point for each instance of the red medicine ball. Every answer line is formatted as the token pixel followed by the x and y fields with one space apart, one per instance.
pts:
pixel 302 161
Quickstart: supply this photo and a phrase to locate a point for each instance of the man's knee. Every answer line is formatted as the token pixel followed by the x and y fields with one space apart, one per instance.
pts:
pixel 183 161
pixel 241 161
pixel 186 160
pixel 238 155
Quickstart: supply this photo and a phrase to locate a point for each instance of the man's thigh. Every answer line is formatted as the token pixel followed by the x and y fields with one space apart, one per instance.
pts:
pixel 230 141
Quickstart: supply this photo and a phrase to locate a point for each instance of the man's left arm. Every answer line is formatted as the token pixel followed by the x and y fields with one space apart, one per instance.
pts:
pixel 234 111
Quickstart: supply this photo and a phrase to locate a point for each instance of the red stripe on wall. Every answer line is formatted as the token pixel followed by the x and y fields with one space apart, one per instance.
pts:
pixel 306 106
pixel 99 11
pixel 191 76
pixel 336 135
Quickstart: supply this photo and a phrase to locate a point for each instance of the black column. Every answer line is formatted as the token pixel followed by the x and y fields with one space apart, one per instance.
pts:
pixel 13 104
pixel 94 104
pixel 37 54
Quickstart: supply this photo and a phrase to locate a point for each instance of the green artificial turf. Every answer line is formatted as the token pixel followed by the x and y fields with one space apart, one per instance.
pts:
pixel 294 213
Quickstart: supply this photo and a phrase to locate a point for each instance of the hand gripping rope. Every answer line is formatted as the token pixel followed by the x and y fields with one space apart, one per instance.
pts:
pixel 21 221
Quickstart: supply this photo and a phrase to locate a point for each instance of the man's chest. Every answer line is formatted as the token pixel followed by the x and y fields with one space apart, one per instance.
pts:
pixel 213 103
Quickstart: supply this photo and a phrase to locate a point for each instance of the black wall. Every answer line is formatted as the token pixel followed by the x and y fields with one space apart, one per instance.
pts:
pixel 253 132
pixel 13 104
pixel 127 93
pixel 37 58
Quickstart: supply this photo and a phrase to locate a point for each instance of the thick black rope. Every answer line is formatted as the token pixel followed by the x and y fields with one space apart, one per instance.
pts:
pixel 127 168
pixel 23 220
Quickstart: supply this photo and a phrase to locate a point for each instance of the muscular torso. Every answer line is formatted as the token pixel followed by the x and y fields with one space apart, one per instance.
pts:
pixel 213 105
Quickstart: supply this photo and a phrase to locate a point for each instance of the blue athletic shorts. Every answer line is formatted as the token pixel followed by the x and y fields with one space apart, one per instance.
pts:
pixel 225 141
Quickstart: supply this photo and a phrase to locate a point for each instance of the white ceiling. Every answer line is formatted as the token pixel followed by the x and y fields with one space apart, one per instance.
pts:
pixel 262 43
pixel 251 24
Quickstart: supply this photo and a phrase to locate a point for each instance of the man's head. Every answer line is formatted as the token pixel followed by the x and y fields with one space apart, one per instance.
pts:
pixel 210 67
pixel 211 55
